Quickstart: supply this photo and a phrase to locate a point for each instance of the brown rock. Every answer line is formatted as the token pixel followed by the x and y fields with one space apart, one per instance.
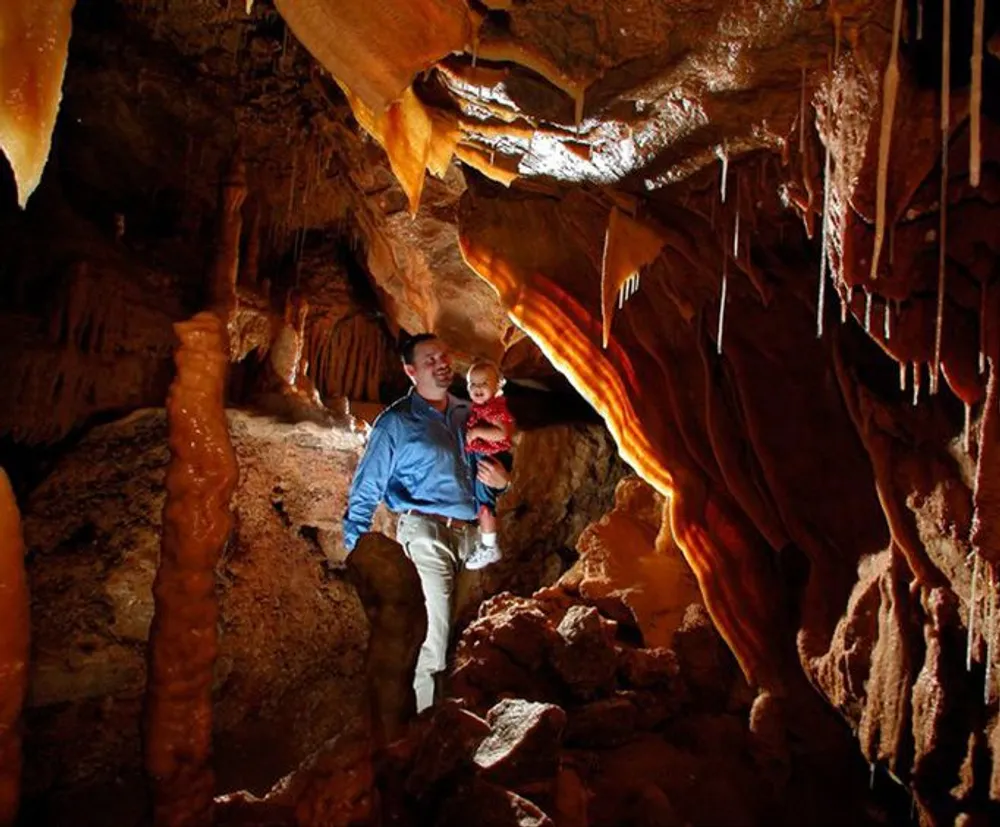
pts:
pixel 449 744
pixel 642 668
pixel 481 804
pixel 604 723
pixel 524 743
pixel 584 656
pixel 390 591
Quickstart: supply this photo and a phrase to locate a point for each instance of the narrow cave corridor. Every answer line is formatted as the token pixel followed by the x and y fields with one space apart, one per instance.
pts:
pixel 733 265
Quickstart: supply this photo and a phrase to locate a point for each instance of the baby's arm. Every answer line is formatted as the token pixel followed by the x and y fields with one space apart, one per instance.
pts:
pixel 491 431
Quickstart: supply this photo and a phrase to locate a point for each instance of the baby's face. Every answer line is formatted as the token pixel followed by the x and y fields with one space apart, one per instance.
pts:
pixel 483 385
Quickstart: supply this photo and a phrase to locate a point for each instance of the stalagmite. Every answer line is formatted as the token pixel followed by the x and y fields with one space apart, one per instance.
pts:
pixel 197 520
pixel 629 245
pixel 34 44
pixel 14 649
pixel 890 86
pixel 971 626
pixel 976 99
pixel 942 233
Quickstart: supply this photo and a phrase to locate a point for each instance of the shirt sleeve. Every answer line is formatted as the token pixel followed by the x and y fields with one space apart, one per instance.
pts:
pixel 370 480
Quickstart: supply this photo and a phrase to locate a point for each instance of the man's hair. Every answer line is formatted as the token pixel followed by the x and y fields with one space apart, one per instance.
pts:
pixel 409 344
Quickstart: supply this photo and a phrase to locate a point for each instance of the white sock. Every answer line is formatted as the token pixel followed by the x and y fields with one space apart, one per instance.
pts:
pixel 488 538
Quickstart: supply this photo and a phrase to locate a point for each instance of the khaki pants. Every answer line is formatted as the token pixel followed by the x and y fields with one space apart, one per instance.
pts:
pixel 437 551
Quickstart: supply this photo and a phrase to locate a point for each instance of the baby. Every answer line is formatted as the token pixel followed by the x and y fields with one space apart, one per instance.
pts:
pixel 487 433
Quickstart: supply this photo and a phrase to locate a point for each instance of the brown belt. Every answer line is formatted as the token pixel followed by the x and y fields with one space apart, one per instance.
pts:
pixel 448 522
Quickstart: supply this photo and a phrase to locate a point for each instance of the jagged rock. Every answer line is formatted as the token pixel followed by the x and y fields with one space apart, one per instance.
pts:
pixel 584 656
pixel 450 743
pixel 643 668
pixel 524 743
pixel 631 570
pixel 481 804
pixel 504 651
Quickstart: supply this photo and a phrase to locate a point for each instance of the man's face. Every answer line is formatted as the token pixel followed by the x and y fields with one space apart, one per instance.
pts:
pixel 431 371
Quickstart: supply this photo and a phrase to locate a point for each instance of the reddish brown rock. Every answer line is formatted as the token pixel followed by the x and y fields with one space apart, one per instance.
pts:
pixel 449 744
pixel 584 656
pixel 524 743
pixel 481 804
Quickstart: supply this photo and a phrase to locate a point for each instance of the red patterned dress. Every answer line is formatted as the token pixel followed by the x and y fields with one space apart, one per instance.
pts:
pixel 494 412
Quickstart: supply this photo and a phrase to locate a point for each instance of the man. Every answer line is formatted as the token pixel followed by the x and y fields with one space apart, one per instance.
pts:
pixel 416 463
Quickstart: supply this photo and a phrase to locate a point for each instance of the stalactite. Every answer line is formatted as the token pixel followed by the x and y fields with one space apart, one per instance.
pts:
pixel 983 293
pixel 971 625
pixel 724 176
pixel 976 99
pixel 991 633
pixel 629 245
pixel 942 233
pixel 916 382
pixel 250 264
pixel 887 321
pixel 824 249
pixel 967 429
pixel 868 311
pixel 34 44
pixel 802 114
pixel 920 19
pixel 986 490
pixel 14 649
pixel 226 264
pixel 890 87
pixel 197 520
pixel 722 304
pixel 902 376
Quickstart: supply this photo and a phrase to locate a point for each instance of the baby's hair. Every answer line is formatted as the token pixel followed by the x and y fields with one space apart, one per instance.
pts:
pixel 480 364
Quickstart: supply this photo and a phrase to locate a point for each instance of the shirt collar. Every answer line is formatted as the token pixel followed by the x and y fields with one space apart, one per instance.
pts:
pixel 425 408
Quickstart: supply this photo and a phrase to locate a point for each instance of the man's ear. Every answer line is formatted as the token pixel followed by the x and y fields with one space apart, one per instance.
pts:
pixel 409 370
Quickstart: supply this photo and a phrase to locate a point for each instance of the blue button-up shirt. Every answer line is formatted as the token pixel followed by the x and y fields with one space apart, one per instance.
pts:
pixel 415 459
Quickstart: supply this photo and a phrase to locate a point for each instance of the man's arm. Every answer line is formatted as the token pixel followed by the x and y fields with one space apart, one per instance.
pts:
pixel 370 480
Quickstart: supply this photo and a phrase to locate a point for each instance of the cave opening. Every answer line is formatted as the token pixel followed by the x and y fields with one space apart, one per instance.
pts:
pixel 738 265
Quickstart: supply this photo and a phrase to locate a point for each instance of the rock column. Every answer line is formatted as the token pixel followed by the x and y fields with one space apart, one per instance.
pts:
pixel 197 519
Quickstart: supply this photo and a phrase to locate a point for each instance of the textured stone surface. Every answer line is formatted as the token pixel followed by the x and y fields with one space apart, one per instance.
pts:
pixel 290 671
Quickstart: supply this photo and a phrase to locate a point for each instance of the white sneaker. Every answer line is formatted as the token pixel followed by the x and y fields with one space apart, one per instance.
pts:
pixel 482 556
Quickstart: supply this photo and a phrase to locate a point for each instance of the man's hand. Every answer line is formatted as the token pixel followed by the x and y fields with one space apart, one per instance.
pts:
pixel 490 472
